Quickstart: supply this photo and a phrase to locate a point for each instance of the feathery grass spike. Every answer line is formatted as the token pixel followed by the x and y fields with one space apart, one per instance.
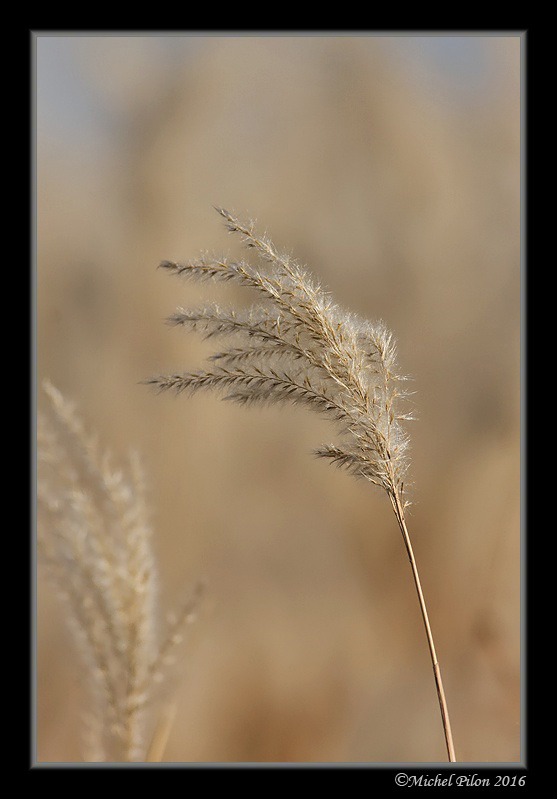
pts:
pixel 94 540
pixel 297 346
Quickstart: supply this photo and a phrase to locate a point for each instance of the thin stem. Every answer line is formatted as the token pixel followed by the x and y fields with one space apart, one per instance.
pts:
pixel 161 735
pixel 399 513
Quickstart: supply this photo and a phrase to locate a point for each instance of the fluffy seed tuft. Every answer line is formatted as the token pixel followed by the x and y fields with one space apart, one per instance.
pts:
pixel 297 346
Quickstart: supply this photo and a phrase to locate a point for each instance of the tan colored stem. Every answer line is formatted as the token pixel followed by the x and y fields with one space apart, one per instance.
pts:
pixel 399 513
pixel 161 735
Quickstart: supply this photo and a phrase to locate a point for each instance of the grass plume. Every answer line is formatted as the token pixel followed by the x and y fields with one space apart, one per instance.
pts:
pixel 94 540
pixel 297 346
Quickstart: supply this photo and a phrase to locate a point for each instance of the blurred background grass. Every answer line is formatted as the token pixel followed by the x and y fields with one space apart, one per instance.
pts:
pixel 391 167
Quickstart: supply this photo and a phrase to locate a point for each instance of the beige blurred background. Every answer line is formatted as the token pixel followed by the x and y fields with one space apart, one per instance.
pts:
pixel 391 167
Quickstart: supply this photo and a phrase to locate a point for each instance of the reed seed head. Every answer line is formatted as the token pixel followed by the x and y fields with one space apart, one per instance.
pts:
pixel 296 345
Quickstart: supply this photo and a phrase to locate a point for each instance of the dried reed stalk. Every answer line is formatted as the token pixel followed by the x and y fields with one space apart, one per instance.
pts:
pixel 94 540
pixel 297 346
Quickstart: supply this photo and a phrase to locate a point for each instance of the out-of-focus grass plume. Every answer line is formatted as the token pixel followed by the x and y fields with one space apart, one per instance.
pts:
pixel 94 543
pixel 402 195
